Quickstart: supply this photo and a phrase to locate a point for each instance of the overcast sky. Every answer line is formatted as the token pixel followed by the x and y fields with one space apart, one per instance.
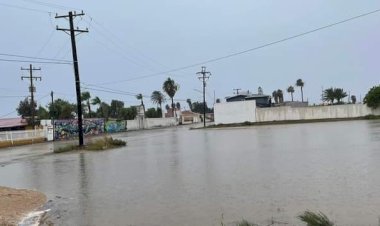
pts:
pixel 133 39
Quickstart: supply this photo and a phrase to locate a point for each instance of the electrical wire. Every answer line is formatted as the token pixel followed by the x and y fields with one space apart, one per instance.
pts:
pixel 35 58
pixel 51 5
pixel 24 8
pixel 33 61
pixel 5 115
pixel 244 51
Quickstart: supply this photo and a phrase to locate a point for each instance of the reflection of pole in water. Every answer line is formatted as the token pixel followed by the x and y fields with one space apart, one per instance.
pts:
pixel 83 198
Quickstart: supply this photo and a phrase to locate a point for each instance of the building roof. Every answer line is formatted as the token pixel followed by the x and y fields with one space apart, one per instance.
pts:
pixel 12 122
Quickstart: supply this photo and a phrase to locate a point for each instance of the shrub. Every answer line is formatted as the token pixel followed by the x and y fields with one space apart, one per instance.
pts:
pixel 372 99
pixel 315 219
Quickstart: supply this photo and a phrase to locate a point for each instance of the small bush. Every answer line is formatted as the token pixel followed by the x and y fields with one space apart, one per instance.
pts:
pixel 371 117
pixel 315 219
pixel 105 143
pixel 96 145
pixel 66 148
pixel 245 223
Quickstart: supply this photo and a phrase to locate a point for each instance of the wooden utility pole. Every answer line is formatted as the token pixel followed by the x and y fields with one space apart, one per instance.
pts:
pixel 72 32
pixel 32 89
pixel 204 76
pixel 237 91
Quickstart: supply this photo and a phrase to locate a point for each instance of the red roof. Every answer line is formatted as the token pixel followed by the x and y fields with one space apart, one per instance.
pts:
pixel 12 122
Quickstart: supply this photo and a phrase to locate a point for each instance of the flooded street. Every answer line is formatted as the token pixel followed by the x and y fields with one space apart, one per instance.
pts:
pixel 178 176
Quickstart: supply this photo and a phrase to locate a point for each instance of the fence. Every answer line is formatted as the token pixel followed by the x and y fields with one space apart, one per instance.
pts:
pixel 22 135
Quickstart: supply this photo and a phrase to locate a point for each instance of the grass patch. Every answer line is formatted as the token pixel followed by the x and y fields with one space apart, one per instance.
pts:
pixel 371 117
pixel 104 143
pixel 315 219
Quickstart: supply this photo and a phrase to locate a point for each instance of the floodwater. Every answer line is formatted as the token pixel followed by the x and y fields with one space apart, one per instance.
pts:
pixel 178 176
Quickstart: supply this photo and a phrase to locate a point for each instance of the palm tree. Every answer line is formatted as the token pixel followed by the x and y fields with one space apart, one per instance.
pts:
pixel 96 101
pixel 158 98
pixel 170 88
pixel 291 91
pixel 275 96
pixel 301 84
pixel 188 101
pixel 140 97
pixel 339 94
pixel 280 95
pixel 86 96
pixel 328 95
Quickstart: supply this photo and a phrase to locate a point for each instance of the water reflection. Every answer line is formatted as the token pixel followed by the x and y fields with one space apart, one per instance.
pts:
pixel 191 177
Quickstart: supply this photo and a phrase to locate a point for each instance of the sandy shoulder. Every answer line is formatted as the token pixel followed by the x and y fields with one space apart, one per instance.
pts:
pixel 16 203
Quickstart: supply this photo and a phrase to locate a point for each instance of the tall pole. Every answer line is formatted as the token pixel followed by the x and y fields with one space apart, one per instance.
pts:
pixel 52 105
pixel 32 89
pixel 204 76
pixel 72 31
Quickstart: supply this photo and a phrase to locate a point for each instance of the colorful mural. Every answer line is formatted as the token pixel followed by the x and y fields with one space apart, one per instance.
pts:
pixel 114 126
pixel 67 129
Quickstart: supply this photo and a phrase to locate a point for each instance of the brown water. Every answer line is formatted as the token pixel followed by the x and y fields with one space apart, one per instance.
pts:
pixel 178 176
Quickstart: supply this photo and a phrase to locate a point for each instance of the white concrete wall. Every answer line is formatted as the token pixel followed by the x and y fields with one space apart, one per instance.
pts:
pixel 317 112
pixel 149 123
pixel 133 125
pixel 235 112
pixel 159 122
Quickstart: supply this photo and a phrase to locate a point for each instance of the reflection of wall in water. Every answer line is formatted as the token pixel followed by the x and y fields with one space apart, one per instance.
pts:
pixel 66 129
pixel 115 126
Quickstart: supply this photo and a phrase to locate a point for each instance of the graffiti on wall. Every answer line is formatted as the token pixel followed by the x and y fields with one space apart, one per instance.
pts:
pixel 66 129
pixel 114 126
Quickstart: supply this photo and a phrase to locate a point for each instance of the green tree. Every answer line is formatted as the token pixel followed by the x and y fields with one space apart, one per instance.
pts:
pixel 198 108
pixel 291 91
pixel 128 113
pixel 86 96
pixel 170 88
pixel 339 94
pixel 300 84
pixel 62 109
pixel 353 99
pixel 275 96
pixel 96 101
pixel 188 101
pixel 116 108
pixel 329 95
pixel 178 105
pixel 280 95
pixel 158 98
pixel 153 113
pixel 25 108
pixel 372 98
pixel 103 110
pixel 42 113
pixel 141 98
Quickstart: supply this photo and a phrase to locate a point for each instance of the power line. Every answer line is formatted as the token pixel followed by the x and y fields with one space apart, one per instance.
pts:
pixel 36 58
pixel 245 51
pixel 33 61
pixel 5 115
pixel 24 8
pixel 52 5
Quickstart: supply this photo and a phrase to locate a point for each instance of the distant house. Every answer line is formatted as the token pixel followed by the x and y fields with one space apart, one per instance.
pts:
pixel 190 117
pixel 13 124
pixel 261 100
